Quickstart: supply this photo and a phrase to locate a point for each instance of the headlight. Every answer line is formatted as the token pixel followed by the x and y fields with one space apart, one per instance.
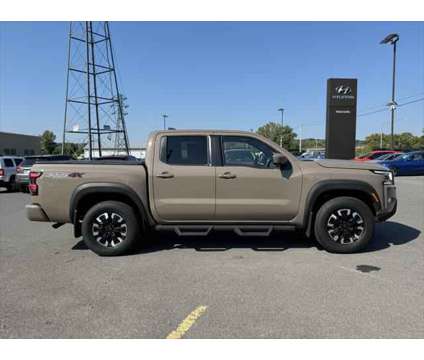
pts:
pixel 388 176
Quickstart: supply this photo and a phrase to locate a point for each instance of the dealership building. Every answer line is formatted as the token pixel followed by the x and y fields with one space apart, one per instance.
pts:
pixel 19 144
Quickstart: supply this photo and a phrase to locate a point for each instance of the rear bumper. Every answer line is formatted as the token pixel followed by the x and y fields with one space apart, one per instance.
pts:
pixel 34 212
pixel 22 179
pixel 3 181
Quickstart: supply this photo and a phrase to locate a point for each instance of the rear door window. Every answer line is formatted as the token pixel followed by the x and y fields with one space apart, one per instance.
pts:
pixel 184 150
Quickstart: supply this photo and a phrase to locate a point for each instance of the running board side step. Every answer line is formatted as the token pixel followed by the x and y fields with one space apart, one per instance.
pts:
pixel 240 230
pixel 186 230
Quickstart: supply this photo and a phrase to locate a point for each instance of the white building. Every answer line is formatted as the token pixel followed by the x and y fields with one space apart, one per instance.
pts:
pixel 139 152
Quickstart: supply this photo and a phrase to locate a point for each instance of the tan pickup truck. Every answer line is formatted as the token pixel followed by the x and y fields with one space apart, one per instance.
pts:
pixel 195 182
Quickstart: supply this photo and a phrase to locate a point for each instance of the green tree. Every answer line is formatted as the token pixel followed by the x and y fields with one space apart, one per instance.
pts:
pixel 72 149
pixel 407 141
pixel 403 141
pixel 48 144
pixel 281 135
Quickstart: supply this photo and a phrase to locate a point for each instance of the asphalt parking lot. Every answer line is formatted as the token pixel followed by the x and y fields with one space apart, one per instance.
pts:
pixel 281 287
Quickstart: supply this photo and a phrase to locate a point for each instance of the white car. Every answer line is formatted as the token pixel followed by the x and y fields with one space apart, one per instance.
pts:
pixel 312 155
pixel 8 165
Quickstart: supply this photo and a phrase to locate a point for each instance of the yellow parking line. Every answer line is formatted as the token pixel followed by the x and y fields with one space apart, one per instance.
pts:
pixel 187 323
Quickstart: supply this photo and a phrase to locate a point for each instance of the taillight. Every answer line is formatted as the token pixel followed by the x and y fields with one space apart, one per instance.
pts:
pixel 33 176
pixel 19 170
pixel 1 172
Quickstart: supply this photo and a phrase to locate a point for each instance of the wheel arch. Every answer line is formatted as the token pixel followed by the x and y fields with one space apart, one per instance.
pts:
pixel 329 189
pixel 88 194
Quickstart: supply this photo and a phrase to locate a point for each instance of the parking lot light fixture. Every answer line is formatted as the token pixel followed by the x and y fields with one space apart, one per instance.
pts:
pixel 392 39
pixel 164 121
pixel 282 115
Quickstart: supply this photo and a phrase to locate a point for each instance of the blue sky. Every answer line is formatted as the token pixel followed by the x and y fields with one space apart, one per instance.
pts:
pixel 231 75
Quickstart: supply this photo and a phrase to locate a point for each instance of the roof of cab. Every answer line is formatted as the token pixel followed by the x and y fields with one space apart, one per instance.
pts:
pixel 203 132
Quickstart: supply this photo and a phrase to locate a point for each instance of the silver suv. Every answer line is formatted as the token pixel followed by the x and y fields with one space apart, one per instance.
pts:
pixel 8 165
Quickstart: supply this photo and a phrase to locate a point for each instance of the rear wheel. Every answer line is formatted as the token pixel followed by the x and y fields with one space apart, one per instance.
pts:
pixel 344 225
pixel 110 228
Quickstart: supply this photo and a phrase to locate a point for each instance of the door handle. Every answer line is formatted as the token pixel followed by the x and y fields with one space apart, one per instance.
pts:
pixel 227 175
pixel 165 175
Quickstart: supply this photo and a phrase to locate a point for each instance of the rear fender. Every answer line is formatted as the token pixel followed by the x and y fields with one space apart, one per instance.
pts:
pixel 112 189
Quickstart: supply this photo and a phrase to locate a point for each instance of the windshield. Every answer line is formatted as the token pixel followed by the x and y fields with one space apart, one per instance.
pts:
pixel 376 155
pixel 395 156
pixel 389 156
pixel 404 157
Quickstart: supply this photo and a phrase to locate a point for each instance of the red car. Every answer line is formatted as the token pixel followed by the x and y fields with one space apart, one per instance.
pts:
pixel 374 155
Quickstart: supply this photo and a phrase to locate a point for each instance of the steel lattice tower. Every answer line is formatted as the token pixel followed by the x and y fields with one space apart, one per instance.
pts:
pixel 94 107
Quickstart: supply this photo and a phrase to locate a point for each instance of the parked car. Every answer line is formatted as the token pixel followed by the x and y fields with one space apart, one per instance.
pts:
pixel 8 165
pixel 22 171
pixel 312 155
pixel 374 155
pixel 411 163
pixel 387 157
pixel 191 185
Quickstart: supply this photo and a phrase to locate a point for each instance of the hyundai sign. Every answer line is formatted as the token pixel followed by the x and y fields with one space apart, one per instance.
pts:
pixel 340 138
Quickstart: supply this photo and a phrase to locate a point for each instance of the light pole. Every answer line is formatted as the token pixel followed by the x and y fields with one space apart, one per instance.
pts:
pixel 164 121
pixel 282 116
pixel 381 134
pixel 300 138
pixel 392 39
pixel 282 124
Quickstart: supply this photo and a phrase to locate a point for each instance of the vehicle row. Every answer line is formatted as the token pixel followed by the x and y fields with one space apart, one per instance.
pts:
pixel 401 163
pixel 14 170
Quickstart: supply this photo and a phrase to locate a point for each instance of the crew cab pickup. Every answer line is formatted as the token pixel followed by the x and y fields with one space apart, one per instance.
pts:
pixel 195 182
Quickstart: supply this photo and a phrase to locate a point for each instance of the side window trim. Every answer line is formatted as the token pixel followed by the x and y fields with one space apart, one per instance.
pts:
pixel 216 150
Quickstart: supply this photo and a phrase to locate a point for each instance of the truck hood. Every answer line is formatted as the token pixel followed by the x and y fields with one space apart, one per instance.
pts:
pixel 349 164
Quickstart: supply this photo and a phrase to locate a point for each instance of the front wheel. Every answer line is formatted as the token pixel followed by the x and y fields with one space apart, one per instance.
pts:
pixel 344 225
pixel 110 228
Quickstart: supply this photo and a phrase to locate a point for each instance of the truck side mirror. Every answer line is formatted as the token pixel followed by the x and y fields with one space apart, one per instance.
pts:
pixel 279 159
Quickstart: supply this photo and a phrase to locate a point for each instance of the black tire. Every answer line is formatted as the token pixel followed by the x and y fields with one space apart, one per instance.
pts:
pixel 97 228
pixel 338 225
pixel 11 185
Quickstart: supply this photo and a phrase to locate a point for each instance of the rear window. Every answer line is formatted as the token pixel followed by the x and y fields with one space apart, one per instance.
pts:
pixel 28 162
pixel 17 161
pixel 8 163
pixel 184 150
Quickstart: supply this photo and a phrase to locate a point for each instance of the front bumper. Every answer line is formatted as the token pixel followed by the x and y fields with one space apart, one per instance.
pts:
pixel 34 212
pixel 389 203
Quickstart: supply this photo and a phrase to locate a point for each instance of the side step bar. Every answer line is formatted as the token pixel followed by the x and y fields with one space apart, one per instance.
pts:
pixel 240 230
